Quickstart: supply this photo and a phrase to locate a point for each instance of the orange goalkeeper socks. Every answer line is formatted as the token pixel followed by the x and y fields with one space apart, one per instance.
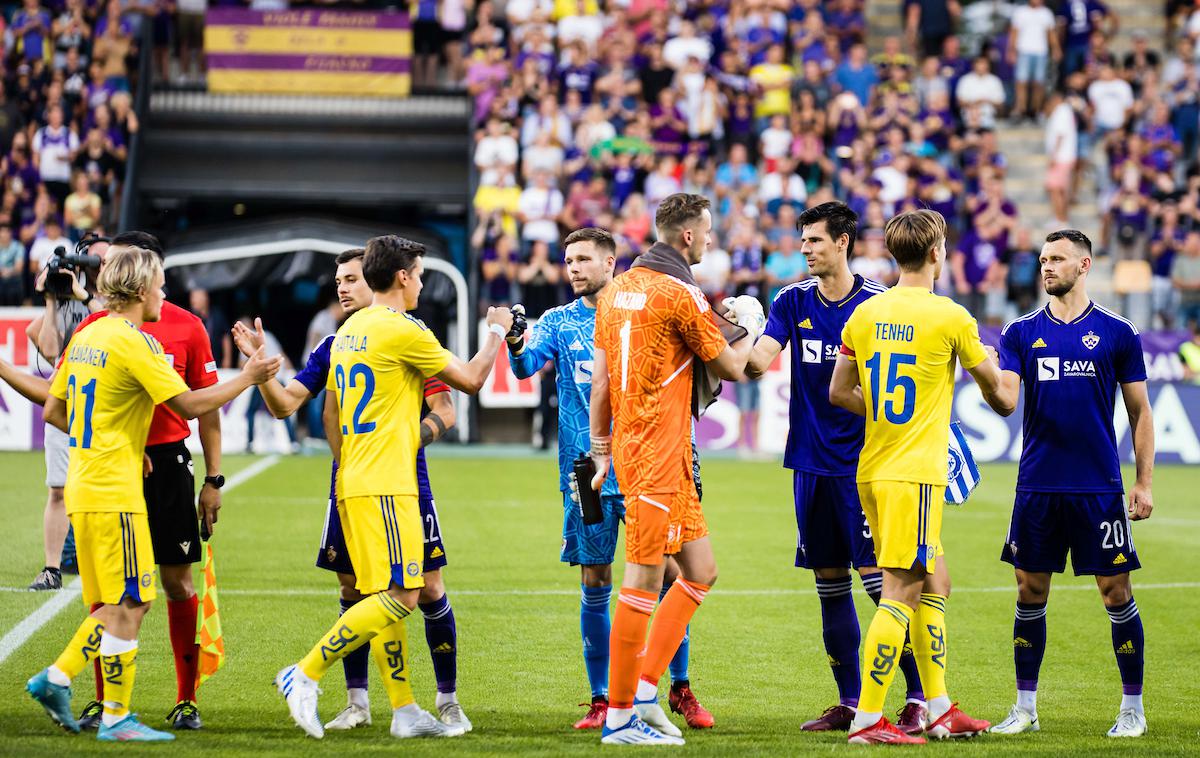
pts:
pixel 627 643
pixel 670 623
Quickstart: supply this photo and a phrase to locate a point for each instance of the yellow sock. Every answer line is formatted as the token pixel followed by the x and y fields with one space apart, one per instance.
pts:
pixel 119 670
pixel 390 650
pixel 881 653
pixel 82 649
pixel 929 644
pixel 353 629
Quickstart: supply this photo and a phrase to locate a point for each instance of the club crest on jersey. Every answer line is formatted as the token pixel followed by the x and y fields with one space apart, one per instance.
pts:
pixel 413 568
pixel 1090 340
pixel 331 554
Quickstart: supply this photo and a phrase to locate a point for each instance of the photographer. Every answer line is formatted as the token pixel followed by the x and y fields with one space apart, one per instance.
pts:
pixel 68 284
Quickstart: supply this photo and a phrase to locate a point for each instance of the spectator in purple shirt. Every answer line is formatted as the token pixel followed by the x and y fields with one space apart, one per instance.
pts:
pixel 1077 19
pixel 976 266
pixel 847 22
pixel 1165 243
pixel 1161 140
pixel 32 25
pixel 579 75
pixel 669 127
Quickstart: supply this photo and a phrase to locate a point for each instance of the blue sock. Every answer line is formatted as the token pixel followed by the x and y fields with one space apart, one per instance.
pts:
pixel 1029 644
pixel 839 627
pixel 356 663
pixel 442 636
pixel 594 627
pixel 1129 643
pixel 679 664
pixel 873 584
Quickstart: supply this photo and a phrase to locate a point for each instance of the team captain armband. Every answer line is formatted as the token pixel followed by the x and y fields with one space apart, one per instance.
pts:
pixel 846 351
pixel 962 475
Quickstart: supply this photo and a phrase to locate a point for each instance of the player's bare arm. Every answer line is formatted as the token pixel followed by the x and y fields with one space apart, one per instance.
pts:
pixel 844 388
pixel 1010 389
pixel 55 413
pixel 730 364
pixel 281 400
pixel 210 443
pixel 989 378
pixel 440 418
pixel 600 419
pixel 469 376
pixel 258 369
pixel 333 429
pixel 762 356
pixel 33 388
pixel 1141 423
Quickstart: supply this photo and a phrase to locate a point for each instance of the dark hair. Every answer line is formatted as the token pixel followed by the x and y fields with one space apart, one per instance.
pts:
pixel 1078 238
pixel 839 219
pixel 595 235
pixel 144 240
pixel 912 234
pixel 385 257
pixel 676 211
pixel 352 254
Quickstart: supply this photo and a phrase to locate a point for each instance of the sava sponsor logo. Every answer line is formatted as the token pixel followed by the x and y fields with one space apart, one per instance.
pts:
pixel 1051 369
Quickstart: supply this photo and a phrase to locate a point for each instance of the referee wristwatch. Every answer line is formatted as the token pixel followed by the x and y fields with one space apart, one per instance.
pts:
pixel 217 481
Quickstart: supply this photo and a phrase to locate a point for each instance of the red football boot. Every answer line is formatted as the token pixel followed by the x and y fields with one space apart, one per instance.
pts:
pixel 683 701
pixel 595 715
pixel 912 719
pixel 836 718
pixel 883 733
pixel 955 723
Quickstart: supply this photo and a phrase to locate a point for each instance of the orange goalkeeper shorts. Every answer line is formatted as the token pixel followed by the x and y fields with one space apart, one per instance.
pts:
pixel 658 524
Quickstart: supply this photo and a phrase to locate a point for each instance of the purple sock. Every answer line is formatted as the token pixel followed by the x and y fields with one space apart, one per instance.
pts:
pixel 1029 643
pixel 442 637
pixel 873 584
pixel 1129 643
pixel 356 663
pixel 839 626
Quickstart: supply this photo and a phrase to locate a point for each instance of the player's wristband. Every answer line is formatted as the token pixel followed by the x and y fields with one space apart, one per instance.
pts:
pixel 498 330
pixel 601 445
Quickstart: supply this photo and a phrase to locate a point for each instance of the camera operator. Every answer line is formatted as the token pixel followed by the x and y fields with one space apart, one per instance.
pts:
pixel 68 283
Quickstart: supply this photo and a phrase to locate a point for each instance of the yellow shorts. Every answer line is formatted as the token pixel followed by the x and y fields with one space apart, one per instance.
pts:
pixel 116 559
pixel 906 522
pixel 385 540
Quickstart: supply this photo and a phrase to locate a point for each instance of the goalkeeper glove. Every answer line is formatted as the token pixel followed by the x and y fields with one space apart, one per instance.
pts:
pixel 515 336
pixel 746 312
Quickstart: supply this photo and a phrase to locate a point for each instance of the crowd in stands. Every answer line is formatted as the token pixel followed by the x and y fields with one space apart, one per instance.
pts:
pixel 66 124
pixel 592 113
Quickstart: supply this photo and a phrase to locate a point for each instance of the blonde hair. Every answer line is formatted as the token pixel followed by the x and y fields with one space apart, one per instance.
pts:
pixel 912 234
pixel 127 275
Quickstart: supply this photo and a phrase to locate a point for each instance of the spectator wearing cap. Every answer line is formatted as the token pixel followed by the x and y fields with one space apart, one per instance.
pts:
pixel 981 91
pixel 1032 42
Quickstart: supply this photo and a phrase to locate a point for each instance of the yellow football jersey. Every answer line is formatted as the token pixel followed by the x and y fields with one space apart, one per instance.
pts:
pixel 112 376
pixel 378 364
pixel 904 343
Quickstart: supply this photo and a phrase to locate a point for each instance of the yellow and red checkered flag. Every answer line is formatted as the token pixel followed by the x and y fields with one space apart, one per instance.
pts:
pixel 208 623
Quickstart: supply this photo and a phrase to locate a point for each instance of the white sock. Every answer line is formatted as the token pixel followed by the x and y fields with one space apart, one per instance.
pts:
pixel 407 712
pixel 56 676
pixel 108 719
pixel 110 644
pixel 1132 702
pixel 1027 700
pixel 617 717
pixel 445 698
pixel 915 701
pixel 863 720
pixel 938 706
pixel 358 696
pixel 646 691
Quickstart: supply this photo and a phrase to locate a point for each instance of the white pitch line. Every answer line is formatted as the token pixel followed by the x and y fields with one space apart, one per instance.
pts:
pixel 267 592
pixel 42 615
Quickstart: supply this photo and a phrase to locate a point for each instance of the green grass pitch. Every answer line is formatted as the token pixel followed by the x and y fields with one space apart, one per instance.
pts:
pixel 757 657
